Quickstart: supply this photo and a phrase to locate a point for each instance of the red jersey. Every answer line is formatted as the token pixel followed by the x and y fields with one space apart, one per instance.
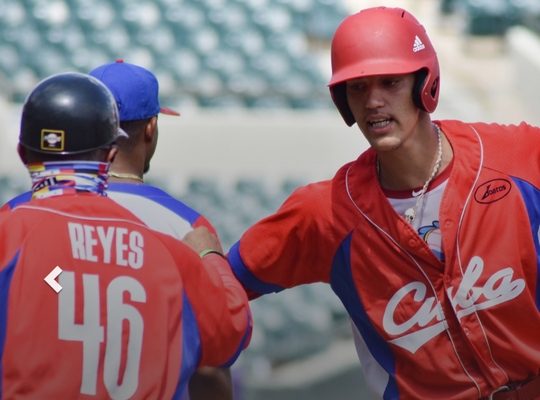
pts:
pixel 424 328
pixel 138 311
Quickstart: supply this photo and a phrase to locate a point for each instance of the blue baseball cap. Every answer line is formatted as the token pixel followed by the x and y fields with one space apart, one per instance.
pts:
pixel 135 89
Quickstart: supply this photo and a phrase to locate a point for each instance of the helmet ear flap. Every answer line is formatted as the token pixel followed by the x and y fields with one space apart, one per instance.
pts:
pixel 420 79
pixel 420 82
pixel 339 95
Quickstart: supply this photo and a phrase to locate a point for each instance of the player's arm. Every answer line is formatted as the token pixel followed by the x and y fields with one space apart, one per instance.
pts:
pixel 218 299
pixel 208 383
pixel 201 239
pixel 292 247
pixel 211 383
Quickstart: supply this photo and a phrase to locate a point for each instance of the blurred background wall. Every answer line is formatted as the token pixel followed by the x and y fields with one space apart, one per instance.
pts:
pixel 249 77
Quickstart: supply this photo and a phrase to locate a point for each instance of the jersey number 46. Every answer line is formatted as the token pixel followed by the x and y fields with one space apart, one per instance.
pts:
pixel 91 333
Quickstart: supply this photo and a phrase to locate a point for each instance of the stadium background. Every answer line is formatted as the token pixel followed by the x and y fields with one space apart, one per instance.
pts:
pixel 249 77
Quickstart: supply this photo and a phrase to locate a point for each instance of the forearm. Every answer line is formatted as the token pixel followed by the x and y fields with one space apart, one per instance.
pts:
pixel 236 297
pixel 211 384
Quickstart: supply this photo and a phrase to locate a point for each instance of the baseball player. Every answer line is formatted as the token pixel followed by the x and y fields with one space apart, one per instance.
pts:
pixel 430 238
pixel 136 91
pixel 138 311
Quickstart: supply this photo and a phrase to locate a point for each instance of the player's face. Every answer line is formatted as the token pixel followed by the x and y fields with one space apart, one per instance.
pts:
pixel 384 109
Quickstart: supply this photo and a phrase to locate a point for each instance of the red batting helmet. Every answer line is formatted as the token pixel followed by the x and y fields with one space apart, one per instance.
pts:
pixel 383 41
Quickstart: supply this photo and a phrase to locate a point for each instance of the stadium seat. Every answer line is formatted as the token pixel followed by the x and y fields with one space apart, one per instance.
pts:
pixel 323 19
pixel 225 62
pixel 228 17
pixel 12 13
pixel 248 84
pixel 220 52
pixel 10 60
pixel 140 15
pixel 249 40
pixel 485 17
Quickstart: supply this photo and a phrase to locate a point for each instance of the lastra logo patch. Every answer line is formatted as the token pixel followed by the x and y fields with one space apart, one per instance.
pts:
pixel 492 191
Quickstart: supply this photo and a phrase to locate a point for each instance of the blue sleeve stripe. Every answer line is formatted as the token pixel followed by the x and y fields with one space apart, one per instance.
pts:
pixel 22 198
pixel 6 275
pixel 341 280
pixel 246 277
pixel 158 196
pixel 191 347
pixel 531 197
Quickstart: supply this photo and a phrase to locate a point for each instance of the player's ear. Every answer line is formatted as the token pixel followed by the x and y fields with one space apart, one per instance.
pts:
pixel 22 154
pixel 112 153
pixel 150 129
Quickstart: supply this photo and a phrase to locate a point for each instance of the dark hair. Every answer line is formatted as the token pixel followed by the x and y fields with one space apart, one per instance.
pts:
pixel 134 129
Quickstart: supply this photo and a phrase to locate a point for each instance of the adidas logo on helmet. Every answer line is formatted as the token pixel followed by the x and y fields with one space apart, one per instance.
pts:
pixel 418 45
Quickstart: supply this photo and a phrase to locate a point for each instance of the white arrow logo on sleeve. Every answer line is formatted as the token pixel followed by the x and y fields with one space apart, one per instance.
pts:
pixel 50 279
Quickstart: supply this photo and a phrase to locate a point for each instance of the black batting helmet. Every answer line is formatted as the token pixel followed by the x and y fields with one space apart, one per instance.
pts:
pixel 69 113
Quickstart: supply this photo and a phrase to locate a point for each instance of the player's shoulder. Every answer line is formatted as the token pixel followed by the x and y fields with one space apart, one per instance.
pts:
pixel 19 220
pixel 147 192
pixel 79 205
pixel 180 252
pixel 313 189
pixel 144 190
pixel 150 200
pixel 484 129
pixel 20 199
pixel 310 200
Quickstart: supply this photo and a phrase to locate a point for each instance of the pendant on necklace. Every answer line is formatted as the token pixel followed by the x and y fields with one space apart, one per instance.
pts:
pixel 409 215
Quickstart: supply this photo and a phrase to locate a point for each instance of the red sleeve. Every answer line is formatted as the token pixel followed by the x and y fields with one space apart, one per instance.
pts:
pixel 5 207
pixel 292 247
pixel 220 305
pixel 202 221
pixel 236 301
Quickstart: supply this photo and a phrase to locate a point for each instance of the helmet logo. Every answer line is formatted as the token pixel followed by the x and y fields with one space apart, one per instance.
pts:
pixel 52 140
pixel 418 45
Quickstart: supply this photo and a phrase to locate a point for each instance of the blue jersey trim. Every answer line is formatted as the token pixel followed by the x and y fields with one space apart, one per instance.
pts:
pixel 150 192
pixel 6 275
pixel 191 347
pixel 22 198
pixel 341 281
pixel 531 197
pixel 246 277
pixel 157 195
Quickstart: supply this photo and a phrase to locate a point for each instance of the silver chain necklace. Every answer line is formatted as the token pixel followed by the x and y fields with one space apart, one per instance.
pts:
pixel 410 213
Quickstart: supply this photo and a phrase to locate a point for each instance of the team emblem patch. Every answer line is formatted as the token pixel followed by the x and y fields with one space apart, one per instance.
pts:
pixel 492 191
pixel 52 140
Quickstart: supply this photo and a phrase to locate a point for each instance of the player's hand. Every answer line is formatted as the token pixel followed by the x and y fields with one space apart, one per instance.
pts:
pixel 201 239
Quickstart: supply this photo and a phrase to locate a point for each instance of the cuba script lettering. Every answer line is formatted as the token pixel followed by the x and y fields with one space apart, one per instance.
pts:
pixel 469 298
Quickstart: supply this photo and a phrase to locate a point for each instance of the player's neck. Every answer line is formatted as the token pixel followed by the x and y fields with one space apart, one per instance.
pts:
pixel 410 168
pixel 123 170
pixel 124 177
